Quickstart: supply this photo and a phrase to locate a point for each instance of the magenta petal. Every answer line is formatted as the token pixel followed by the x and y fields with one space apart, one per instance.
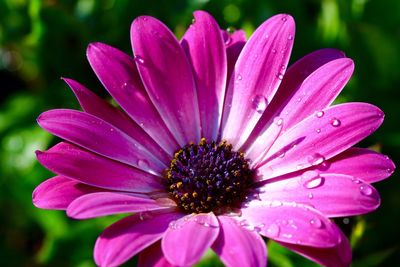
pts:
pixel 256 77
pixel 96 106
pixel 294 90
pixel 193 235
pixel 119 75
pixel 321 136
pixel 334 195
pixel 100 137
pixel 205 50
pixel 239 247
pixel 107 203
pixel 361 163
pixel 58 192
pixel 89 168
pixel 127 237
pixel 337 256
pixel 153 257
pixel 167 77
pixel 234 44
pixel 291 223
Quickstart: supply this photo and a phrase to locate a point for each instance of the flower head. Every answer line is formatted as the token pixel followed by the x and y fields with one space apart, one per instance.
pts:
pixel 215 143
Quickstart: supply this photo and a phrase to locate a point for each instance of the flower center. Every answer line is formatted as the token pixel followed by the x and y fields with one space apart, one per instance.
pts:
pixel 208 177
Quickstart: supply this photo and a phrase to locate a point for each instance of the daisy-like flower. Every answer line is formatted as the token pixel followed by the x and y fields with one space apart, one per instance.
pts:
pixel 214 144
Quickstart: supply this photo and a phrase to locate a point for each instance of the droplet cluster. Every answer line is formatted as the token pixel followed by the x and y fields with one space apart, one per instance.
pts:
pixel 208 177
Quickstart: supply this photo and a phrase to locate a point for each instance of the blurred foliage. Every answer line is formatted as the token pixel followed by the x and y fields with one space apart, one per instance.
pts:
pixel 40 41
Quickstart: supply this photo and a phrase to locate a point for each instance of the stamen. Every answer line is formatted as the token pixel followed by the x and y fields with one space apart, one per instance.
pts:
pixel 208 177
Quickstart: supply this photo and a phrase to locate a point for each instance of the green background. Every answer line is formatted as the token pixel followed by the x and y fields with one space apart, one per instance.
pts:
pixel 40 41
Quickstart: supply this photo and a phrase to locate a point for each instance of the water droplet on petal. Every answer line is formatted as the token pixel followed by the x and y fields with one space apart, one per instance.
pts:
pixel 138 59
pixel 143 164
pixel 298 99
pixel 335 122
pixel 318 130
pixel 366 190
pixel 311 179
pixel 316 223
pixel 279 76
pixel 310 195
pixel 273 230
pixel 290 37
pixel 346 220
pixel 273 51
pixel 259 103
pixel 320 114
pixel 193 21
pixel 284 18
pixel 278 121
pixel 230 30
pixel 228 40
pixel 239 77
pixel 316 159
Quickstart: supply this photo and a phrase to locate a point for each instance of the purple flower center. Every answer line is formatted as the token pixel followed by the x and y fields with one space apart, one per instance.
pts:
pixel 208 177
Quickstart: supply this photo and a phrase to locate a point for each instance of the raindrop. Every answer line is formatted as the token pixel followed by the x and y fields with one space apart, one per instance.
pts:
pixel 311 179
pixel 278 121
pixel 310 196
pixel 143 164
pixel 287 236
pixel 283 67
pixel 284 18
pixel 239 77
pixel 298 99
pixel 355 180
pixel 230 30
pixel 193 21
pixel 316 223
pixel 316 159
pixel 282 155
pixel 290 37
pixel 279 76
pixel 318 130
pixel 320 114
pixel 335 122
pixel 260 103
pixel 346 220
pixel 273 230
pixel 139 59
pixel 366 190
pixel 274 51
pixel 228 40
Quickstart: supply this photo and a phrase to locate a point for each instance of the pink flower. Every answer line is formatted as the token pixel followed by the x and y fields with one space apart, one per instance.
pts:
pixel 215 145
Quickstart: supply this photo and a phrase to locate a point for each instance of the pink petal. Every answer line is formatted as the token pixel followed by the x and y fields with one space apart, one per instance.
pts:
pixel 334 195
pixel 320 137
pixel 153 257
pixel 96 106
pixel 234 44
pixel 167 77
pixel 239 247
pixel 89 168
pixel 193 235
pixel 290 223
pixel 100 137
pixel 125 86
pixel 337 256
pixel 127 237
pixel 361 163
pixel 58 192
pixel 256 77
pixel 285 103
pixel 205 50
pixel 107 203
